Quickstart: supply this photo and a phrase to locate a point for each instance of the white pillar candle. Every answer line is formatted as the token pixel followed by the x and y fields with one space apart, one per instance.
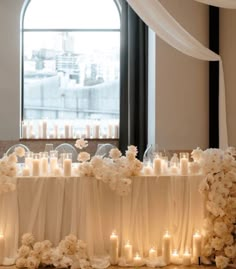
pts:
pixel 128 252
pixel 2 248
pixel 53 164
pixel 197 242
pixel 174 169
pixel 25 171
pixel 57 171
pixel 44 129
pixel 137 260
pixel 44 166
pixel 110 131
pixel 147 170
pixel 166 248
pixel 184 166
pixel 24 130
pixel 35 167
pixel 96 131
pixel 152 254
pixel 67 130
pixel 55 131
pixel 88 131
pixel 67 167
pixel 114 248
pixel 157 166
pixel 116 131
pixel 186 258
pixel 175 259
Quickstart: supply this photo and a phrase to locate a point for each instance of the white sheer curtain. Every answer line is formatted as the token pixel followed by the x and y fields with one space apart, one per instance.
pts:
pixel 166 27
pixel 220 3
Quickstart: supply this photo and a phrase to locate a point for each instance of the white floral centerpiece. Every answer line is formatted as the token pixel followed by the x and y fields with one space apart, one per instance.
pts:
pixel 116 171
pixel 8 170
pixel 34 254
pixel 219 190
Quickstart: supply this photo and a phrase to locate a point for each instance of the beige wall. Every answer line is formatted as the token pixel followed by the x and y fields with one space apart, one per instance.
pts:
pixel 9 68
pixel 228 53
pixel 182 83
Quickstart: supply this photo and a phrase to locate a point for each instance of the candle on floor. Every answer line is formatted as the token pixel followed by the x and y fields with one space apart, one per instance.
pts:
pixel 166 247
pixel 186 258
pixel 2 248
pixel 114 248
pixel 175 259
pixel 197 242
pixel 152 253
pixel 128 252
pixel 137 260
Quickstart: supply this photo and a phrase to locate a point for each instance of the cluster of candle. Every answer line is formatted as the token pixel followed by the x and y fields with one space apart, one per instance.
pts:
pixel 43 164
pixel 168 255
pixel 162 166
pixel 48 129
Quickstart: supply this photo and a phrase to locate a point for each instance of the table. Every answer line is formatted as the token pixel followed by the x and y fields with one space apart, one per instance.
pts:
pixel 52 208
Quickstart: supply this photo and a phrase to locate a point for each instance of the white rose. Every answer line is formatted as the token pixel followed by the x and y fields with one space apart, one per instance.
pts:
pixel 220 228
pixel 46 257
pixel 217 243
pixel 207 250
pixel 97 161
pixel 24 251
pixel 21 262
pixel 228 239
pixel 81 143
pixel 38 247
pixel 115 154
pixel 12 158
pixel 27 239
pixel 133 149
pixel 20 151
pixel 47 244
pixel 32 262
pixel 230 251
pixel 83 156
pixel 221 262
pixel 130 155
pixel 196 154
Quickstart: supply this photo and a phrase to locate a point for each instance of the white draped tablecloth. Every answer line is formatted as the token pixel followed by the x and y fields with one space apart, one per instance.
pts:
pixel 52 208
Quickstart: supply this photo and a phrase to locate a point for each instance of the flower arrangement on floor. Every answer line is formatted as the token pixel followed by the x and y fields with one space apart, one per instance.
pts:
pixel 219 190
pixel 8 170
pixel 70 252
pixel 115 171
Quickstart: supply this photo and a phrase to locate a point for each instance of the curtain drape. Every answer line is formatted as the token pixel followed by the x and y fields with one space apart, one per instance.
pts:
pixel 166 27
pixel 133 90
pixel 220 3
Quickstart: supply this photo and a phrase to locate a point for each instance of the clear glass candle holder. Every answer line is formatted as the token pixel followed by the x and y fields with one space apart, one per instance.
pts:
pixel 36 165
pixel 53 161
pixel 43 163
pixel 67 164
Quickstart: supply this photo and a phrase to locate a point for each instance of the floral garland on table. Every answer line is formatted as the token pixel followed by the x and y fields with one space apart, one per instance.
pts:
pixel 8 170
pixel 70 252
pixel 219 190
pixel 115 171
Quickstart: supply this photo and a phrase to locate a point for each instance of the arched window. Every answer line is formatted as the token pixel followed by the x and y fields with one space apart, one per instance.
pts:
pixel 71 69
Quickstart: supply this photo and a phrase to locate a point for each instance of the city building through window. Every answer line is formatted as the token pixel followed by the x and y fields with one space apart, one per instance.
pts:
pixel 71 69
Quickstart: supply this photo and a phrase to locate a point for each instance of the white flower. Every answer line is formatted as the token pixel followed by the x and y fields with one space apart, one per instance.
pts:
pixel 46 257
pixel 46 244
pixel 12 158
pixel 133 149
pixel 221 262
pixel 81 143
pixel 83 156
pixel 24 251
pixel 217 243
pixel 196 154
pixel 27 239
pixel 32 262
pixel 220 228
pixel 228 239
pixel 230 251
pixel 85 169
pixel 38 247
pixel 115 153
pixel 207 250
pixel 97 161
pixel 130 155
pixel 194 167
pixel 20 151
pixel 21 263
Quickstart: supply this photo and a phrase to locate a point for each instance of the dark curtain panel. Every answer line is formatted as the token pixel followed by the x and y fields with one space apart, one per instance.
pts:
pixel 133 80
pixel 214 78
